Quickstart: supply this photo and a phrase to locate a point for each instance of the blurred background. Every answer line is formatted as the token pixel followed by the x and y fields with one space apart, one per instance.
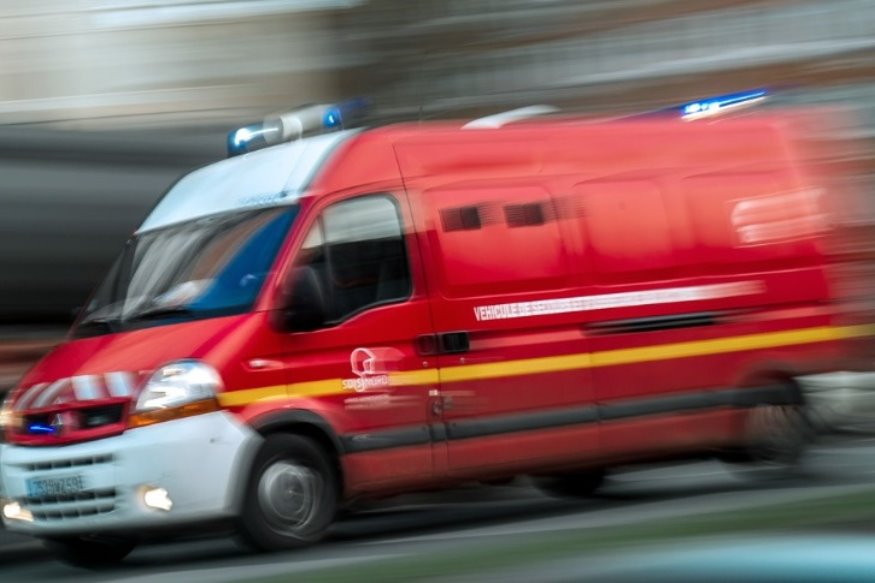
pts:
pixel 104 103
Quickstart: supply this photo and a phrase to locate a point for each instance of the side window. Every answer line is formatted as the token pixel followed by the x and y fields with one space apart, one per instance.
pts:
pixel 357 250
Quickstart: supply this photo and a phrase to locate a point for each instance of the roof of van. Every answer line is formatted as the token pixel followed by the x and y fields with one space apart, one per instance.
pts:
pixel 283 173
pixel 373 157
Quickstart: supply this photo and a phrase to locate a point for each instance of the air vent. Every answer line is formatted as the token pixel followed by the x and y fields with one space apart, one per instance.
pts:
pixel 461 219
pixel 525 215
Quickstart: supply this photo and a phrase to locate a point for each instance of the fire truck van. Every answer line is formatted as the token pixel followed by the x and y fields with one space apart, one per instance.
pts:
pixel 352 314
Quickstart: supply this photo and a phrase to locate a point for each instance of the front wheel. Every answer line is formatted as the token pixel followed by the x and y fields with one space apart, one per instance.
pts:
pixel 291 497
pixel 90 552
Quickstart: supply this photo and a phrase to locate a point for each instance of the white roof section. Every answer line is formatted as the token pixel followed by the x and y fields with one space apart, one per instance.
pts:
pixel 273 176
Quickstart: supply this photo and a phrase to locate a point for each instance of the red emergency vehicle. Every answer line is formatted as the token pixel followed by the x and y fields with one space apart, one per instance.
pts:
pixel 362 313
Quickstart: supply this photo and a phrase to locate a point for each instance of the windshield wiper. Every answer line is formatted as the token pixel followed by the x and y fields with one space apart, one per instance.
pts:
pixel 160 312
pixel 107 324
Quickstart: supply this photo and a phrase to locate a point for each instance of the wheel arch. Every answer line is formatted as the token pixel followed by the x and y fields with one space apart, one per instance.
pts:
pixel 770 383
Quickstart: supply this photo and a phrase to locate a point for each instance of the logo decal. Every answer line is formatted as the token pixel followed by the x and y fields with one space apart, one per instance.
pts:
pixel 369 370
pixel 779 217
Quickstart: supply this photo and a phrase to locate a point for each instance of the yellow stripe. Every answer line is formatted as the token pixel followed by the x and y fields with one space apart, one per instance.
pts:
pixel 238 398
pixel 508 368
pixel 723 345
pixel 547 364
pixel 310 389
pixel 428 376
pixel 316 388
pixel 651 353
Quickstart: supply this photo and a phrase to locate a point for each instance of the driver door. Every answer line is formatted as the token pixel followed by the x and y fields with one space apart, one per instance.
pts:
pixel 362 252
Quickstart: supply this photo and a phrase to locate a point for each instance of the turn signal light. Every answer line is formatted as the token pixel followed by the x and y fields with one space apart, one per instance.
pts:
pixel 145 418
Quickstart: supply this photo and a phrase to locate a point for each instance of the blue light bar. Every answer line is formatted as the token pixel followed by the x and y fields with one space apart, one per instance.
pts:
pixel 296 124
pixel 717 105
pixel 344 114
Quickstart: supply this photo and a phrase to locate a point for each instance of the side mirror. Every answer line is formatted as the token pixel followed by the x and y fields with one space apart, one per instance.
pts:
pixel 304 308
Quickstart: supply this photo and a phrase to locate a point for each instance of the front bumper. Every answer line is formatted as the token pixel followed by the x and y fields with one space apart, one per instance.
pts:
pixel 200 461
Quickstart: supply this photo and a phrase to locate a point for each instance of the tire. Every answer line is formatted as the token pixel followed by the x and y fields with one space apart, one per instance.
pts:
pixel 291 495
pixel 777 438
pixel 92 552
pixel 576 485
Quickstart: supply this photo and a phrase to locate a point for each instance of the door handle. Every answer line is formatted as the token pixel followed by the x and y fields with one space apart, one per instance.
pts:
pixel 427 344
pixel 445 343
pixel 454 342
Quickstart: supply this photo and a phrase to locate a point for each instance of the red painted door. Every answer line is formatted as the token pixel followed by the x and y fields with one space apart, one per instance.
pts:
pixel 515 386
pixel 362 370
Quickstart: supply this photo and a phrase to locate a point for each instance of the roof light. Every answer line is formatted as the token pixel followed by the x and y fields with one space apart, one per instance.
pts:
pixel 252 137
pixel 333 118
pixel 295 124
pixel 717 105
pixel 500 119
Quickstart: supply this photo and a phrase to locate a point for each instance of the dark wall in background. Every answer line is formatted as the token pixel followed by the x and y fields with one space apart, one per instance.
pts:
pixel 68 201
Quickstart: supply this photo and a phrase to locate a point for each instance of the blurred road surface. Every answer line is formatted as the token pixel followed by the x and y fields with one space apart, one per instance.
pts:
pixel 419 525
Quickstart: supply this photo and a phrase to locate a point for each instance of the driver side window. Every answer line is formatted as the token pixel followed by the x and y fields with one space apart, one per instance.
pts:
pixel 356 249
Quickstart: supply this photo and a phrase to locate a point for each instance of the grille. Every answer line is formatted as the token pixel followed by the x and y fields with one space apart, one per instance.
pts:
pixel 54 508
pixel 68 463
pixel 100 416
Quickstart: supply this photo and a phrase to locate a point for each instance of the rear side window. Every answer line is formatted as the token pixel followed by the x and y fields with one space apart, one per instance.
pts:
pixel 357 249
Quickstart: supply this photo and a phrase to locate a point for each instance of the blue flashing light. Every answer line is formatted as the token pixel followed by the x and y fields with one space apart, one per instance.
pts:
pixel 41 429
pixel 714 105
pixel 333 118
pixel 246 139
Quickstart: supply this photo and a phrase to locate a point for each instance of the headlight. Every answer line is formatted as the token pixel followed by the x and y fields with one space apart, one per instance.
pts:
pixel 6 413
pixel 180 389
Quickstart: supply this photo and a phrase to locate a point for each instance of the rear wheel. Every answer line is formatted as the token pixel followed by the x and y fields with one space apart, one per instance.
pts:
pixel 291 497
pixel 575 485
pixel 777 438
pixel 780 433
pixel 90 552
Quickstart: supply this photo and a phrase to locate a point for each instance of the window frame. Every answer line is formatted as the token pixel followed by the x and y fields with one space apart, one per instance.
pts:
pixel 319 222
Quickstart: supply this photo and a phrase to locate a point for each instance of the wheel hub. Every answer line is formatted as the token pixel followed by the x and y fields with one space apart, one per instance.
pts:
pixel 288 494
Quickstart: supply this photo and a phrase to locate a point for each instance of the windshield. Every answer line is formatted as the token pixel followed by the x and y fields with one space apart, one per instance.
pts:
pixel 207 267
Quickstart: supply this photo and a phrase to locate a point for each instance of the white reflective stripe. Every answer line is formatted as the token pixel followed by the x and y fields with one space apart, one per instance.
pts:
pixel 47 396
pixel 649 297
pixel 85 388
pixel 28 396
pixel 120 384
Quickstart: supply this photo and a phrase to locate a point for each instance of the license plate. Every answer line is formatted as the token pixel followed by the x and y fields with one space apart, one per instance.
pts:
pixel 60 486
